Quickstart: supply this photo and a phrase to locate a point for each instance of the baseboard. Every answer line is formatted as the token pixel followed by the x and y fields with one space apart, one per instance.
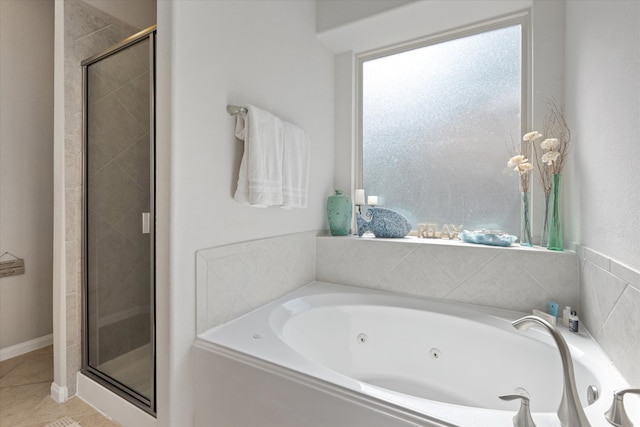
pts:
pixel 25 347
pixel 59 393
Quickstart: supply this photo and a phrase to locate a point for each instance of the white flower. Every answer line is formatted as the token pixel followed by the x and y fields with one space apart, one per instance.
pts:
pixel 550 156
pixel 524 167
pixel 532 136
pixel 520 164
pixel 550 144
pixel 516 160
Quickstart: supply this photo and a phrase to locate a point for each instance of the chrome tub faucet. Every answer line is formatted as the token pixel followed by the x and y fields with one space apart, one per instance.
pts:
pixel 616 415
pixel 570 411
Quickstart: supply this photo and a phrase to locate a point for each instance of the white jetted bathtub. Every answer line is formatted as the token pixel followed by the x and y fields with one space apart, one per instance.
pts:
pixel 331 355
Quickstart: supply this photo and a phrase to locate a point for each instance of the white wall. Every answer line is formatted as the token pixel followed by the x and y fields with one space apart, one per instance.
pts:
pixel 211 54
pixel 26 167
pixel 331 13
pixel 603 109
pixel 411 21
pixel 214 53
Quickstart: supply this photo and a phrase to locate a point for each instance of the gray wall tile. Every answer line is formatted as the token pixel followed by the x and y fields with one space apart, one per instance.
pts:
pixel 235 279
pixel 620 335
pixel 505 278
pixel 599 292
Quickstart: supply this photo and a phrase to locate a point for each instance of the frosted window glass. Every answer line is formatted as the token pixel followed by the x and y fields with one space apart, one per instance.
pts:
pixel 437 124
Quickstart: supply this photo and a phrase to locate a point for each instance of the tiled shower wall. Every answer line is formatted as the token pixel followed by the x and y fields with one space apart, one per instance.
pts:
pixel 118 180
pixel 610 305
pixel 88 31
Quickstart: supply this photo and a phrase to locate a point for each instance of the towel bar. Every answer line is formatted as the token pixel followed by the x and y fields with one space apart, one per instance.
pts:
pixel 235 109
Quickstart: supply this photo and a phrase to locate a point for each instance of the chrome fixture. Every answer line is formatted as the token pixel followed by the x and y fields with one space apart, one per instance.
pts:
pixel 593 394
pixel 616 415
pixel 523 417
pixel 236 109
pixel 570 411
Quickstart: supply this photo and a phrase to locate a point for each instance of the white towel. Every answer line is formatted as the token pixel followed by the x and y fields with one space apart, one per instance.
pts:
pixel 260 177
pixel 295 166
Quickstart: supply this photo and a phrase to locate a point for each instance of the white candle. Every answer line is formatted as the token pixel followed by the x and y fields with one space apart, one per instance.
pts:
pixel 359 197
pixel 372 200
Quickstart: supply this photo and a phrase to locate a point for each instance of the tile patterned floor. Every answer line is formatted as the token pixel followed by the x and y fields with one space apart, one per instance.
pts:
pixel 25 396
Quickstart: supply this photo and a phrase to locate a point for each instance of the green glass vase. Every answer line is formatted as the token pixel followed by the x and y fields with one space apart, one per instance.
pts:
pixel 339 213
pixel 555 241
pixel 545 219
pixel 525 220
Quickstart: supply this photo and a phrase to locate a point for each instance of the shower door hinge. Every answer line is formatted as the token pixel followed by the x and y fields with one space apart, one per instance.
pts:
pixel 145 222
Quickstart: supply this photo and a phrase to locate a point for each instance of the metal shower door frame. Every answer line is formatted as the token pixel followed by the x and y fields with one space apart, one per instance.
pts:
pixel 146 404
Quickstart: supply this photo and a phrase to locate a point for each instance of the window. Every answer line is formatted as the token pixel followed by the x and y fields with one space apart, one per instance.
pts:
pixel 438 123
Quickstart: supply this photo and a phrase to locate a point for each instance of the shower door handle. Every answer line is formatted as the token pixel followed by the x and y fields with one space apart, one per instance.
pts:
pixel 145 222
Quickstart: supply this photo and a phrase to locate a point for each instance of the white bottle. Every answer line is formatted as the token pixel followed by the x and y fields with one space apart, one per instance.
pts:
pixel 574 322
pixel 565 316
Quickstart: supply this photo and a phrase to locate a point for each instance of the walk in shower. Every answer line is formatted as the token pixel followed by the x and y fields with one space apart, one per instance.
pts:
pixel 118 213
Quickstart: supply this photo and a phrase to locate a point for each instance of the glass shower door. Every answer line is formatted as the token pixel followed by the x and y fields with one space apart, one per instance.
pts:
pixel 119 226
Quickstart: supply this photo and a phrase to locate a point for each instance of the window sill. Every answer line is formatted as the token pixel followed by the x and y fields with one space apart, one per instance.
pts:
pixel 414 240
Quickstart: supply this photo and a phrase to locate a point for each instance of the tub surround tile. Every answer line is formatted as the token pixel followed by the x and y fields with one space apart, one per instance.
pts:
pixel 555 273
pixel 409 276
pixel 620 335
pixel 599 294
pixel 626 274
pixel 610 310
pixel 235 279
pixel 460 262
pixel 596 258
pixel 511 278
pixel 295 255
pixel 501 283
pixel 358 263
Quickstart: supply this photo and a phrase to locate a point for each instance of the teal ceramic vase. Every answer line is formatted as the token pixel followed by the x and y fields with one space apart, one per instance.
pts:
pixel 555 240
pixel 339 213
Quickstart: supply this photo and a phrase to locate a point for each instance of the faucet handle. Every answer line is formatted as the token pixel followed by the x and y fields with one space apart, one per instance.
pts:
pixel 523 417
pixel 616 414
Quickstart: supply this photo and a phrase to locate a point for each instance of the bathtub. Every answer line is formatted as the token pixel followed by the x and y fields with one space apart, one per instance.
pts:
pixel 332 355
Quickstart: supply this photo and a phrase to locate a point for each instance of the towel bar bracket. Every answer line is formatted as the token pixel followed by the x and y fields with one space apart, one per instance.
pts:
pixel 235 109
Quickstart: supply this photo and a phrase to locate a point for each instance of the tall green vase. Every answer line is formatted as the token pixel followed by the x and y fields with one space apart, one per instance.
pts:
pixel 339 213
pixel 525 220
pixel 545 219
pixel 555 242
